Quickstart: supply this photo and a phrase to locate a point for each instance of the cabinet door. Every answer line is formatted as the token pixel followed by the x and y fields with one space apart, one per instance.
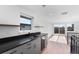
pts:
pixel 33 47
pixel 13 51
pixel 9 15
pixel 27 48
pixel 37 46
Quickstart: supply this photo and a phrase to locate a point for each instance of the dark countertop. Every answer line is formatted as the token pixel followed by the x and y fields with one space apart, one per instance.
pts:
pixel 13 42
pixel 43 34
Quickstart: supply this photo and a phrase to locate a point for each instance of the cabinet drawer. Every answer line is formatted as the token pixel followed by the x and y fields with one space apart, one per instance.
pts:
pixel 23 49
pixel 13 51
pixel 32 47
pixel 27 48
pixel 36 46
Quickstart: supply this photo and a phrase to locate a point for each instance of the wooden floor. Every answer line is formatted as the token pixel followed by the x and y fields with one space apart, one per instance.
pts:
pixel 57 45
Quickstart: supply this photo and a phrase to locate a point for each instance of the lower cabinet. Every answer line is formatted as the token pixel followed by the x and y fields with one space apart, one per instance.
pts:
pixel 13 51
pixel 37 46
pixel 33 47
pixel 27 48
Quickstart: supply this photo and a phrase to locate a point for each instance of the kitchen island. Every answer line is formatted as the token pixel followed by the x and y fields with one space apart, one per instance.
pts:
pixel 22 44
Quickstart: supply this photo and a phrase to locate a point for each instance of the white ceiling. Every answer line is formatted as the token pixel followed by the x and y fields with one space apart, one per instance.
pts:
pixel 54 12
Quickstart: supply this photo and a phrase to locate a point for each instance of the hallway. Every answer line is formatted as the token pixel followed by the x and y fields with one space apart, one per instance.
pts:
pixel 57 45
pixel 60 38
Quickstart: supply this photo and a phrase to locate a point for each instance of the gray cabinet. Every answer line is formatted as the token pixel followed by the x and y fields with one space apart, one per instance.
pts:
pixel 27 48
pixel 36 46
pixel 33 47
pixel 13 51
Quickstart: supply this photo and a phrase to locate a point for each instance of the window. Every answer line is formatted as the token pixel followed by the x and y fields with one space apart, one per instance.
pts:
pixel 59 28
pixel 25 23
pixel 70 27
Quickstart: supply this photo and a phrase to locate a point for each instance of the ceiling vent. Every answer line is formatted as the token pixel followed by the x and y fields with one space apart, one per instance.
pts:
pixel 43 5
pixel 64 13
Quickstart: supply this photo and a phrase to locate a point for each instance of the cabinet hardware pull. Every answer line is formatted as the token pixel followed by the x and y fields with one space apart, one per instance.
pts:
pixel 34 46
pixel 13 52
pixel 29 44
pixel 21 52
pixel 28 47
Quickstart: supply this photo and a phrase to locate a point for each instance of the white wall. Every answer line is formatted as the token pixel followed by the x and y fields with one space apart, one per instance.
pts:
pixel 76 25
pixel 11 15
pixel 47 29
pixel 39 20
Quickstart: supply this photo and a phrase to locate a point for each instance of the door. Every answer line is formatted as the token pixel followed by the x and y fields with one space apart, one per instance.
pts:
pixel 59 30
pixel 62 30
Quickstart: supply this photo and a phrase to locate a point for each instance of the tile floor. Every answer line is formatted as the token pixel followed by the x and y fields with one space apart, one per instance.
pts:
pixel 57 45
